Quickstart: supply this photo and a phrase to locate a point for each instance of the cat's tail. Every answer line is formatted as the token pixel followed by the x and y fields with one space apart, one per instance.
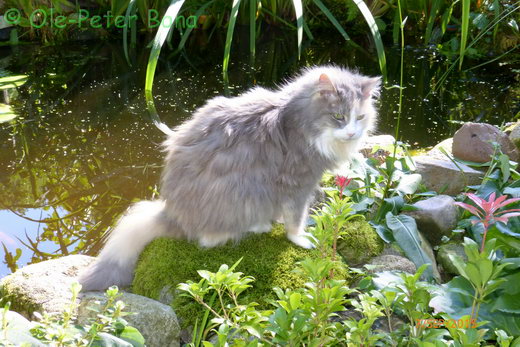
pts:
pixel 115 264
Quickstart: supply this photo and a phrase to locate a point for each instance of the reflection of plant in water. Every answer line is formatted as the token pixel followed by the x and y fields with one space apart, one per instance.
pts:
pixel 57 156
pixel 81 198
pixel 79 202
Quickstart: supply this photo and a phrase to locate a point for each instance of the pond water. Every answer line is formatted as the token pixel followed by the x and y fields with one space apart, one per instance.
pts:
pixel 83 147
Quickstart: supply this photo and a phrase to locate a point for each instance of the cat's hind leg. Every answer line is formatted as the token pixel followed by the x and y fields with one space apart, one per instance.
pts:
pixel 295 216
pixel 209 240
pixel 260 228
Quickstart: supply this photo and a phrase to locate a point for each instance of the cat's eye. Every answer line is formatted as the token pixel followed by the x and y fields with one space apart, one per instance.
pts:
pixel 360 117
pixel 338 116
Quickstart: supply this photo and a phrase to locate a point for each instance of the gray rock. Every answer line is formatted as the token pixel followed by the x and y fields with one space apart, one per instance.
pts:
pixel 46 287
pixel 385 142
pixel 166 295
pixel 443 256
pixel 436 217
pixel 43 286
pixel 392 260
pixel 472 142
pixel 444 176
pixel 157 322
pixel 392 263
pixel 514 136
pixel 437 151
pixel 378 141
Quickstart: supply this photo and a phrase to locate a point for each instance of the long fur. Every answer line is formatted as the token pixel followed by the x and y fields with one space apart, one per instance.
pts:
pixel 240 163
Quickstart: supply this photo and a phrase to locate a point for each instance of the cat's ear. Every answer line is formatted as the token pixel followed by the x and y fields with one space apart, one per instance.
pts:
pixel 370 87
pixel 325 86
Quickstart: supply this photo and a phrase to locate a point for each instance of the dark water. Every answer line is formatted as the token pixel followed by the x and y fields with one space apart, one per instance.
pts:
pixel 83 148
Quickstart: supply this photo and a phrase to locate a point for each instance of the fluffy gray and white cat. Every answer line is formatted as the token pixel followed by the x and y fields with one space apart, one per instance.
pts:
pixel 240 163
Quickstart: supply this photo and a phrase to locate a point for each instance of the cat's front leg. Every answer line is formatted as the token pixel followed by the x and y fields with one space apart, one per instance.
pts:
pixel 295 217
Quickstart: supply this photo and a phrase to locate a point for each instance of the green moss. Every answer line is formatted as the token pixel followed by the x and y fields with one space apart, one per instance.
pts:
pixel 20 301
pixel 328 180
pixel 360 243
pixel 270 258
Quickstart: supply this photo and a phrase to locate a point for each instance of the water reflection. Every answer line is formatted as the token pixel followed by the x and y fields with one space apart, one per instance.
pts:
pixel 83 148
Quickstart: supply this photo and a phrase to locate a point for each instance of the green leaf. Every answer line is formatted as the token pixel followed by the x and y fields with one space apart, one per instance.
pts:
pixel 132 335
pixel 436 5
pixel 384 233
pixel 110 340
pixel 295 300
pixel 375 34
pixel 473 274
pixel 407 236
pixel 6 113
pixel 514 192
pixel 507 303
pixel 298 9
pixel 505 167
pixel 465 30
pixel 188 30
pixel 160 37
pixel 332 19
pixel 12 81
pixel 409 183
pixel 485 267
pixel 253 4
pixel 158 42
pixel 229 35
pixel 130 11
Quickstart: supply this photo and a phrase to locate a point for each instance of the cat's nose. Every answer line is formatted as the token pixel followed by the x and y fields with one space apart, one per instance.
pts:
pixel 351 134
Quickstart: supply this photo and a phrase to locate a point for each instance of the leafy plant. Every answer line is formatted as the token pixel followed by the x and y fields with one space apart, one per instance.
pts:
pixel 487 211
pixel 61 329
pixel 480 270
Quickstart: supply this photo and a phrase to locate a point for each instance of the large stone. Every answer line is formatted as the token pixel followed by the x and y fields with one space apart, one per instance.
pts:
pixel 435 217
pixel 378 146
pixel 157 322
pixel 43 286
pixel 383 141
pixel 472 142
pixel 46 287
pixel 437 152
pixel 514 136
pixel 444 253
pixel 393 259
pixel 443 176
pixel 390 262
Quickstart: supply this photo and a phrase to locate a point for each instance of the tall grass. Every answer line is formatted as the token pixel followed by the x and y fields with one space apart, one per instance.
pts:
pixel 160 38
pixel 175 7
pixel 464 30
pixel 490 26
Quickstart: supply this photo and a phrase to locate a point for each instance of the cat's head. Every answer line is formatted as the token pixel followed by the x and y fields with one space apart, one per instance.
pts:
pixel 341 107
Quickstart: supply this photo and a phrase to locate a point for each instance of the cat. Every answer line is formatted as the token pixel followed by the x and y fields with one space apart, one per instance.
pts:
pixel 240 163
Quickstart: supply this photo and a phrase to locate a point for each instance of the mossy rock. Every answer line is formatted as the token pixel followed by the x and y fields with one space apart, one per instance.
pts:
pixel 360 244
pixel 270 258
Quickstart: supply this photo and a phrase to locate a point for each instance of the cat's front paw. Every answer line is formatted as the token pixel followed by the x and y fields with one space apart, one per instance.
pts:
pixel 302 239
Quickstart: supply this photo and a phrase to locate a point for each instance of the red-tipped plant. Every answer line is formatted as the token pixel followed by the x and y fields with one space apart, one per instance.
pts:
pixel 487 211
pixel 342 182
